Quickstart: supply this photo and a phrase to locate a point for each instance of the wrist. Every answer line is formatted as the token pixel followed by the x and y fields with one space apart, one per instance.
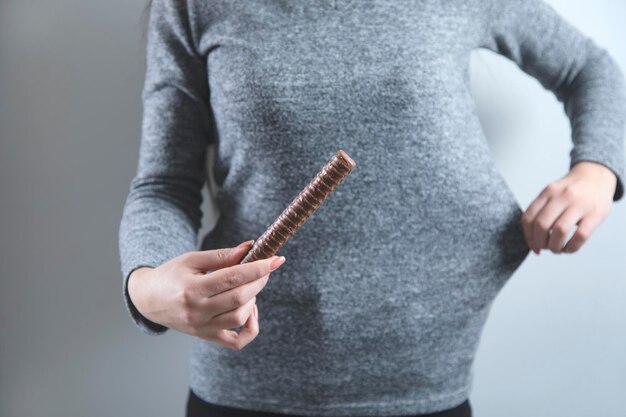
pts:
pixel 594 170
pixel 135 284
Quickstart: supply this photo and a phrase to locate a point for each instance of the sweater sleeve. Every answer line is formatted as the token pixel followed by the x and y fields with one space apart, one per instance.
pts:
pixel 583 76
pixel 162 213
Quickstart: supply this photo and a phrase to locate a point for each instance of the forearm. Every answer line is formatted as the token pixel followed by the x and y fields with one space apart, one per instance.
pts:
pixel 582 75
pixel 152 231
pixel 595 102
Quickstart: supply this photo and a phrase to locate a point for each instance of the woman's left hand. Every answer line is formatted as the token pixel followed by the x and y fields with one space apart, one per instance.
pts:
pixel 583 197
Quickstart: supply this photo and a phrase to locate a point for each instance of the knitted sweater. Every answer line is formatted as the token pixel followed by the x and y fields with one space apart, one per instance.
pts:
pixel 379 308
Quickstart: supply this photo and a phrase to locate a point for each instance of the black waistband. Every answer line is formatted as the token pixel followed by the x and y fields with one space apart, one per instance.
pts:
pixel 197 407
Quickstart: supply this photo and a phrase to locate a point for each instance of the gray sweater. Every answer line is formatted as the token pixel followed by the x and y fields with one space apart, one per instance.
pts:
pixel 381 303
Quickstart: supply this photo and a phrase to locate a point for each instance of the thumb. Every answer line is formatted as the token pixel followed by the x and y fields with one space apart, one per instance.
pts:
pixel 217 258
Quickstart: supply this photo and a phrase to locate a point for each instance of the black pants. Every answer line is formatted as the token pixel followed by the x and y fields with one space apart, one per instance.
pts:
pixel 196 407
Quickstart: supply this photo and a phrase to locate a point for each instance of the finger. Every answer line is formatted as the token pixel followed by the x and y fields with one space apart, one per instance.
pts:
pixel 234 318
pixel 234 276
pixel 256 314
pixel 545 220
pixel 204 260
pixel 232 299
pixel 248 332
pixel 528 217
pixel 586 226
pixel 563 226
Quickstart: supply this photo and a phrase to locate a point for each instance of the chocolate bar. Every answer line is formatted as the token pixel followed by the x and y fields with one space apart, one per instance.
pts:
pixel 301 208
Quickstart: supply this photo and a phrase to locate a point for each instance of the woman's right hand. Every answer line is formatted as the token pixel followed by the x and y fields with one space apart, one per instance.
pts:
pixel 205 293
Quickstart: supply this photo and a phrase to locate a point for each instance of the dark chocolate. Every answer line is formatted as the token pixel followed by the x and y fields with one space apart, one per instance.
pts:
pixel 301 208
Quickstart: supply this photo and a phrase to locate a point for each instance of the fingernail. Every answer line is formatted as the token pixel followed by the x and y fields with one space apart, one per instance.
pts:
pixel 276 262
pixel 244 244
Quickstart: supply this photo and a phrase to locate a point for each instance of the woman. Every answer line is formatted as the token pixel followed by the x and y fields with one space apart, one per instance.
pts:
pixel 379 307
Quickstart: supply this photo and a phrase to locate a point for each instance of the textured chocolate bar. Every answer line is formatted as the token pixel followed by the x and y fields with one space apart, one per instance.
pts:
pixel 305 203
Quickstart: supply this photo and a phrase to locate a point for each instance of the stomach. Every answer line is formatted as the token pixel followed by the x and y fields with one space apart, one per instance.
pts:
pixel 405 256
pixel 425 208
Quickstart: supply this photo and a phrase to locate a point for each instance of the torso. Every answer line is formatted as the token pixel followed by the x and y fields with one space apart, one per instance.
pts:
pixel 387 285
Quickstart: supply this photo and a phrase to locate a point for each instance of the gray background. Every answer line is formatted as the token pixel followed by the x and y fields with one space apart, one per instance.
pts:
pixel 71 74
